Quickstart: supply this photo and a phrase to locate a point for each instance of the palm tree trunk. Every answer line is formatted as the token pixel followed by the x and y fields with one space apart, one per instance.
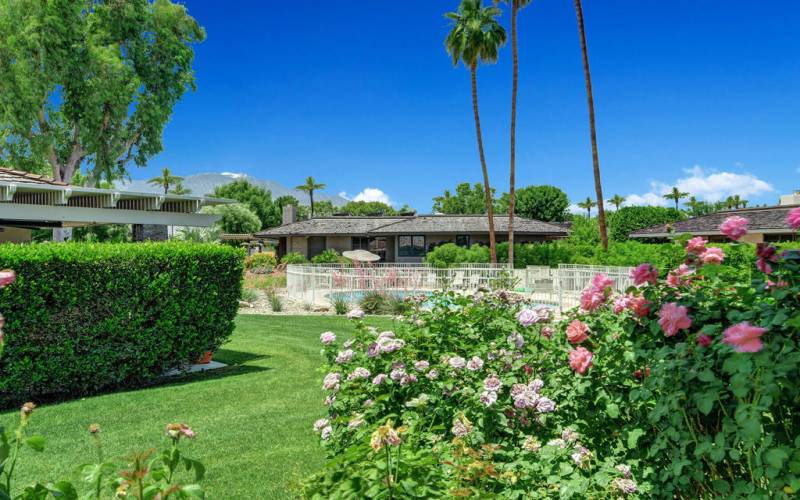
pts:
pixel 311 201
pixel 511 182
pixel 601 213
pixel 486 188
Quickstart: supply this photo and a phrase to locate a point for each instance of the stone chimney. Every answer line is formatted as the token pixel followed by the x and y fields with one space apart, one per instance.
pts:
pixel 289 214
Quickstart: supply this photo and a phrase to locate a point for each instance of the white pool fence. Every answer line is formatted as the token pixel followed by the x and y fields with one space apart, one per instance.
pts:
pixel 559 287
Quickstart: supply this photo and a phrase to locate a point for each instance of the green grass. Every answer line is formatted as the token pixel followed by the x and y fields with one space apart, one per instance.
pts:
pixel 253 418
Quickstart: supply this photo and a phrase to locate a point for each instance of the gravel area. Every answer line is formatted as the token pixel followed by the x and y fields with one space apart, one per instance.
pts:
pixel 290 307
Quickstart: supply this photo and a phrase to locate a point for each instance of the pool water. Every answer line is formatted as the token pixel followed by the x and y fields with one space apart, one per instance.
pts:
pixel 355 296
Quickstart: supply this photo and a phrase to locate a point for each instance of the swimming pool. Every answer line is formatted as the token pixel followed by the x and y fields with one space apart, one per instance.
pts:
pixel 355 296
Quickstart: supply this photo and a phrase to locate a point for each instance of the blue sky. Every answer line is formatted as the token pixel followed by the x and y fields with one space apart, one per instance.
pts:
pixel 700 93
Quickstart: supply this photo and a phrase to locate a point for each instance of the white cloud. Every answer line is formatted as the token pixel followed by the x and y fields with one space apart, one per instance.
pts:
pixel 233 174
pixel 369 194
pixel 712 186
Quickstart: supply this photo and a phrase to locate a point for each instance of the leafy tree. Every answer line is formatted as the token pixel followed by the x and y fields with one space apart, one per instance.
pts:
pixel 588 204
pixel 165 180
pixel 629 219
pixel 545 203
pixel 236 218
pixel 91 82
pixel 598 187
pixel 512 198
pixel 617 201
pixel 677 195
pixel 309 187
pixel 110 233
pixel 257 199
pixel 324 207
pixel 476 37
pixel 180 189
pixel 467 200
pixel 367 208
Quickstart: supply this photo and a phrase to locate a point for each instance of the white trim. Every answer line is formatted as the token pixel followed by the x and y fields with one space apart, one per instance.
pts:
pixel 86 216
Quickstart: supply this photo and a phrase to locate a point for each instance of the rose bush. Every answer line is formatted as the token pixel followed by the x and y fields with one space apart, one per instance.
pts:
pixel 683 386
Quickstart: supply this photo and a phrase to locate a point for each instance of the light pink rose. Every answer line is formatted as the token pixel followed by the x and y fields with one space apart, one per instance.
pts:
pixel 592 298
pixel 580 359
pixel 601 281
pixel 744 337
pixel 677 277
pixel 577 332
pixel 793 218
pixel 734 227
pixel 673 318
pixel 713 255
pixel 696 245
pixel 644 273
pixel 7 276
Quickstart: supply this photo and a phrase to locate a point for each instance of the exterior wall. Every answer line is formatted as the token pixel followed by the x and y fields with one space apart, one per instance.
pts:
pixel 14 235
pixel 339 243
pixel 753 238
pixel 297 244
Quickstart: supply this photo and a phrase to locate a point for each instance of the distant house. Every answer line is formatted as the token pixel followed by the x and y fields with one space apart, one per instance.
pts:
pixel 766 224
pixel 399 238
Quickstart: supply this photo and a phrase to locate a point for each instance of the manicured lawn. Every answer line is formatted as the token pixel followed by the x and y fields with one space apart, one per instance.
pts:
pixel 253 418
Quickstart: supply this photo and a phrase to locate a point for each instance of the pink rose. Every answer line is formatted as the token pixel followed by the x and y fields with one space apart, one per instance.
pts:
pixel 713 255
pixel 592 298
pixel 764 266
pixel 696 245
pixel 644 273
pixel 677 277
pixel 793 219
pixel 734 227
pixel 673 318
pixel 580 359
pixel 640 306
pixel 7 276
pixel 602 282
pixel 744 337
pixel 703 340
pixel 577 332
pixel 527 317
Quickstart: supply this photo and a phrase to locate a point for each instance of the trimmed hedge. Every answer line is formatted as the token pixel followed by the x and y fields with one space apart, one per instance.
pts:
pixel 84 318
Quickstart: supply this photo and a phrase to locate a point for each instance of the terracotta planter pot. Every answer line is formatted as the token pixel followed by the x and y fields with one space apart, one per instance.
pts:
pixel 205 358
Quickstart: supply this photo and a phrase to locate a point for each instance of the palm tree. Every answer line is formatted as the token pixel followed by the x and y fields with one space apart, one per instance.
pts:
pixel 309 187
pixel 165 180
pixel 515 6
pixel 588 204
pixel 179 189
pixel 617 201
pixel 601 213
pixel 677 195
pixel 476 37
pixel 737 201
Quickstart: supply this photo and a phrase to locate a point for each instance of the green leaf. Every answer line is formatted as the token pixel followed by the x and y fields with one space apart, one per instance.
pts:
pixel 706 376
pixel 194 490
pixel 633 437
pixel 612 409
pixel 36 443
pixel 776 457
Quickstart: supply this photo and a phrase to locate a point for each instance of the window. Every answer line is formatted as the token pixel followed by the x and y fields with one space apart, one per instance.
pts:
pixel 462 240
pixel 410 246
pixel 360 243
pixel 374 245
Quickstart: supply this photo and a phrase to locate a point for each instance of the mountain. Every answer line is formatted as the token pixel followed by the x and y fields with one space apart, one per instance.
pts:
pixel 205 183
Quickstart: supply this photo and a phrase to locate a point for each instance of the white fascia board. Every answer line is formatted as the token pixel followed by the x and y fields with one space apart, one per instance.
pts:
pixel 72 190
pixel 81 215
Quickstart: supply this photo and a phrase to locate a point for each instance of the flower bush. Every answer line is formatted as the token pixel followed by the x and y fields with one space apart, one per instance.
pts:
pixel 682 387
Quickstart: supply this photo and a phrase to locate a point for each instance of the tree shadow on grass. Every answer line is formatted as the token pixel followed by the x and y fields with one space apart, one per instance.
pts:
pixel 231 357
pixel 218 373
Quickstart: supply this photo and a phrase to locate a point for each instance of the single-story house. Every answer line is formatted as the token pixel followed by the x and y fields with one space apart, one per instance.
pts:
pixel 406 238
pixel 30 201
pixel 766 224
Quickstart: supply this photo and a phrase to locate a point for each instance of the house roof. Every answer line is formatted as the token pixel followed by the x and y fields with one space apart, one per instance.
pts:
pixel 31 200
pixel 762 220
pixel 421 224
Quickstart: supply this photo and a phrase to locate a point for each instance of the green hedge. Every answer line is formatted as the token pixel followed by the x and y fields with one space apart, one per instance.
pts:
pixel 84 318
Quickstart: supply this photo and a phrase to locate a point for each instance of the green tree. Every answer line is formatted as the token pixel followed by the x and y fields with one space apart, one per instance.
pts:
pixel 516 5
pixel 629 219
pixel 588 204
pixel 257 199
pixel 91 83
pixel 544 203
pixel 476 37
pixel 598 186
pixel 236 218
pixel 676 195
pixel 367 208
pixel 180 189
pixel 617 201
pixel 467 200
pixel 309 187
pixel 165 180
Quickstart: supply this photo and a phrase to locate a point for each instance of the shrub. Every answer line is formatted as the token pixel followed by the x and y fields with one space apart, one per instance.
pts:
pixel 373 303
pixel 294 258
pixel 84 318
pixel 329 256
pixel 248 295
pixel 275 301
pixel 628 219
pixel 236 218
pixel 262 262
pixel 341 306
pixel 677 389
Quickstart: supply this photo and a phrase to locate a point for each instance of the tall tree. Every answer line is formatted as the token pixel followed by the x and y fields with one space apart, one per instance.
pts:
pixel 588 204
pixel 91 83
pixel 165 180
pixel 598 187
pixel 516 5
pixel 465 200
pixel 180 189
pixel 676 195
pixel 257 199
pixel 476 37
pixel 544 203
pixel 309 187
pixel 617 201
